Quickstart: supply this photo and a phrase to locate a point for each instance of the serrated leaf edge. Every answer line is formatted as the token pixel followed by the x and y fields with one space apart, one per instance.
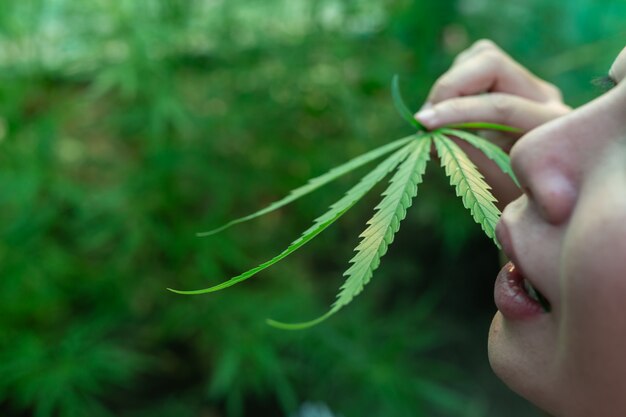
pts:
pixel 492 151
pixel 469 184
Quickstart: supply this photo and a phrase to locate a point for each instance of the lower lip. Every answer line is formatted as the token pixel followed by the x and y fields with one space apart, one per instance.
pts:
pixel 510 296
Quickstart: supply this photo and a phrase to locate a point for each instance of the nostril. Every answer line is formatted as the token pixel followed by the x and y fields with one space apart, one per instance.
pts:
pixel 527 191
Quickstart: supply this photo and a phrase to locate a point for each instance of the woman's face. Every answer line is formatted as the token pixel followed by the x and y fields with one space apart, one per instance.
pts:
pixel 567 237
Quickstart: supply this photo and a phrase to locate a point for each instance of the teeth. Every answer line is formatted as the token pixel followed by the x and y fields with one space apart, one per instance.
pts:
pixel 530 290
pixel 537 296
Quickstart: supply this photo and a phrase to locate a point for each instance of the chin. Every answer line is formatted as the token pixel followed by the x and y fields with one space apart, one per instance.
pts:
pixel 519 364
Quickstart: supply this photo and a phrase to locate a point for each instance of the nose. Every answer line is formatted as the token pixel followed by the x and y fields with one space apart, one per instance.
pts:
pixel 547 164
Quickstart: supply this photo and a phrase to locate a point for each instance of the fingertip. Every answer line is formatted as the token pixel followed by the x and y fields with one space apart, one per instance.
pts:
pixel 428 117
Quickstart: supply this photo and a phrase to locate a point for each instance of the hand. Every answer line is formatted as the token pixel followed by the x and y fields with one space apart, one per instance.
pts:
pixel 485 84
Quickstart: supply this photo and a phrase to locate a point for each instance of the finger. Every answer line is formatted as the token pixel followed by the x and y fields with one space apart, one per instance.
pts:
pixel 490 70
pixel 493 108
pixel 476 48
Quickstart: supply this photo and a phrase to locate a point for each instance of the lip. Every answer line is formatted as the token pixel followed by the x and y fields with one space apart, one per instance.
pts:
pixel 509 295
pixel 511 298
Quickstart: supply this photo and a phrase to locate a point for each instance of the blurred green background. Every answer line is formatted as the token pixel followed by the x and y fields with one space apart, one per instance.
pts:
pixel 127 126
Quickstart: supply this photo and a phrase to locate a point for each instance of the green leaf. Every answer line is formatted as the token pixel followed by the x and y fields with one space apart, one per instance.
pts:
pixel 469 183
pixel 484 125
pixel 315 183
pixel 492 151
pixel 401 107
pixel 336 210
pixel 380 231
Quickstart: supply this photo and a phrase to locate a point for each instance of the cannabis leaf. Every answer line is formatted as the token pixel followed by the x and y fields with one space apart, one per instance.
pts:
pixel 409 161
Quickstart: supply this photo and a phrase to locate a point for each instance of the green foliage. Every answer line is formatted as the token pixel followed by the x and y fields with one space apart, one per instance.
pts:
pixel 118 137
pixel 66 378
pixel 126 126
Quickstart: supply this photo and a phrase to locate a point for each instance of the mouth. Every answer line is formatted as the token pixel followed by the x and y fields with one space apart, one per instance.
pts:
pixel 515 295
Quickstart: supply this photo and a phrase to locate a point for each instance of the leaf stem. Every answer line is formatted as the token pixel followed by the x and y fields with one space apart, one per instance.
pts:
pixel 402 107
pixel 483 125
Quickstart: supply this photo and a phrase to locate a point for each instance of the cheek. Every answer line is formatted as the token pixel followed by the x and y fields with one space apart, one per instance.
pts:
pixel 593 290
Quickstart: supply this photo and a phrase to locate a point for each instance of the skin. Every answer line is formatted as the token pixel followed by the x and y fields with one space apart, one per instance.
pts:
pixel 567 230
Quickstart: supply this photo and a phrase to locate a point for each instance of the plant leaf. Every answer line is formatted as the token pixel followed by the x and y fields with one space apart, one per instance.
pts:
pixel 469 183
pixel 381 229
pixel 315 183
pixel 336 210
pixel 485 125
pixel 401 107
pixel 492 151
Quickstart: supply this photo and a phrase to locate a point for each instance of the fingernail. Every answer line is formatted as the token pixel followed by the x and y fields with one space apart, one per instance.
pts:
pixel 427 116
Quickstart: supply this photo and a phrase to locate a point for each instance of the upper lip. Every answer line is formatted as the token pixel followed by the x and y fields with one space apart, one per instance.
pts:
pixel 504 237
